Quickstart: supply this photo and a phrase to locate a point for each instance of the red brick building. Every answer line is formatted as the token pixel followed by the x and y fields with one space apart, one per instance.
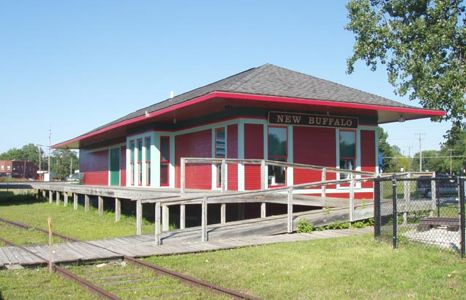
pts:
pixel 266 112
pixel 18 169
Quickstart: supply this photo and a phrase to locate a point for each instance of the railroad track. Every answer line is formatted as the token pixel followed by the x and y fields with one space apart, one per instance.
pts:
pixel 104 293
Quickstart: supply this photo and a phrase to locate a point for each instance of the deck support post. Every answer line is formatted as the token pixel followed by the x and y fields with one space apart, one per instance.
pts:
pixel 44 194
pixel 223 213
pixel 86 202
pixel 165 218
pixel 182 175
pixel 351 198
pixel 204 237
pixel 117 210
pixel 290 211
pixel 263 210
pixel 38 194
pixel 100 205
pixel 75 201
pixel 157 223
pixel 138 217
pixel 323 189
pixel 223 176
pixel 263 175
pixel 57 198
pixel 182 216
pixel 50 197
pixel 65 199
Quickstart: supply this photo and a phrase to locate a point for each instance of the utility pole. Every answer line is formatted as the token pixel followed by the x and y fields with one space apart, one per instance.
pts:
pixel 50 146
pixel 451 162
pixel 420 134
pixel 71 166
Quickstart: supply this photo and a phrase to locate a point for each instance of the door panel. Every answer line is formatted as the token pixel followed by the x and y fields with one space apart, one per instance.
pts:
pixel 115 166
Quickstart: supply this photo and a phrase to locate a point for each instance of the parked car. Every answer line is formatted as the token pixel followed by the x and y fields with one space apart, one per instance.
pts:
pixel 74 178
pixel 447 187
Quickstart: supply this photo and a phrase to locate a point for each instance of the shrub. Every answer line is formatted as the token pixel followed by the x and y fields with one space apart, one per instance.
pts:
pixel 304 226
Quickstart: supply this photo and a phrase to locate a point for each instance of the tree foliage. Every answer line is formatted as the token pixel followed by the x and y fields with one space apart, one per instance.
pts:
pixel 422 43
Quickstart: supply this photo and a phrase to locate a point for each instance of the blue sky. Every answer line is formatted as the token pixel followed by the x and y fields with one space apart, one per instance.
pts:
pixel 74 65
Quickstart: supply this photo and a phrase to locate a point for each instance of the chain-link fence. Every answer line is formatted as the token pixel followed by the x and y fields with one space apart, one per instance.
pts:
pixel 424 210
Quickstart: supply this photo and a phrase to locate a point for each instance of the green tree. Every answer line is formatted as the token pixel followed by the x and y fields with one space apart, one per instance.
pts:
pixel 386 151
pixel 422 43
pixel 61 162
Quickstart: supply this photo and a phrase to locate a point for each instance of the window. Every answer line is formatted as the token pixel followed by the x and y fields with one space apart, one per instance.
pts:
pixel 220 151
pixel 147 145
pixel 131 161
pixel 139 145
pixel 164 160
pixel 347 151
pixel 277 147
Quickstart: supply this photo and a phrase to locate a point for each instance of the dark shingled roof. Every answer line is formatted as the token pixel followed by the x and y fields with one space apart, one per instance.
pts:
pixel 272 80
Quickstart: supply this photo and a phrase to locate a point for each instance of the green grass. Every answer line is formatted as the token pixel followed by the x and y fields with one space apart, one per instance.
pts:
pixel 131 282
pixel 38 284
pixel 348 268
pixel 75 223
pixel 24 236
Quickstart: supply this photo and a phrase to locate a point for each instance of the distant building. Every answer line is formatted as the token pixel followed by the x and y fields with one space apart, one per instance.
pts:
pixel 18 169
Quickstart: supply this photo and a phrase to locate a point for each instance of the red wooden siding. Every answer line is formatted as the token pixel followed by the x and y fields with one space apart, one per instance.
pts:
pixel 123 166
pixel 367 154
pixel 232 152
pixel 198 144
pixel 253 149
pixel 314 146
pixel 94 165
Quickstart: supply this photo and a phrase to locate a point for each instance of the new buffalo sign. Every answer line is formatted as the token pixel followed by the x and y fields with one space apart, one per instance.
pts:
pixel 312 120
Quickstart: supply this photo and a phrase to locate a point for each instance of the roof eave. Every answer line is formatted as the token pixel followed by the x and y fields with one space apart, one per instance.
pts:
pixel 420 112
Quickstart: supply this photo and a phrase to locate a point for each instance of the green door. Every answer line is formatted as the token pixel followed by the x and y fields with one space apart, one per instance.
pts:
pixel 115 166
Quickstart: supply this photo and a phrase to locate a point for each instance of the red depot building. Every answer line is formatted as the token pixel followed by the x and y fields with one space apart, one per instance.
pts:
pixel 266 112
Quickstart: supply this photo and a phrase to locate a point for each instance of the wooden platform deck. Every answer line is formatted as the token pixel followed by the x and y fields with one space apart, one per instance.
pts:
pixel 142 246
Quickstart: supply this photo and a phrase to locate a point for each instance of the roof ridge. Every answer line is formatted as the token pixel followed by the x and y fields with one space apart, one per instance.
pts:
pixel 257 71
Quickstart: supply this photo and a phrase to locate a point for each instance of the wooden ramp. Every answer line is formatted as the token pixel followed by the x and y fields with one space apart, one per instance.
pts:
pixel 141 246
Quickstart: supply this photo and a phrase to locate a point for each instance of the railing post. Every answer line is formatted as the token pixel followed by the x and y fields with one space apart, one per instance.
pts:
pixel 290 211
pixel 138 217
pixel 263 175
pixel 75 201
pixel 223 176
pixel 117 210
pixel 182 175
pixel 395 214
pixel 165 218
pixel 204 237
pixel 377 208
pixel 351 197
pixel 158 228
pixel 323 191
pixel 223 213
pixel 182 216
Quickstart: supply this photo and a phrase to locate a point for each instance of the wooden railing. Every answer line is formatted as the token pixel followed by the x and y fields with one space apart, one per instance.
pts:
pixel 223 162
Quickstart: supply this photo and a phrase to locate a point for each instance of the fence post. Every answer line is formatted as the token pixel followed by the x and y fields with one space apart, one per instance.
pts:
pixel 158 228
pixel 461 182
pixel 204 220
pixel 323 191
pixel 263 175
pixel 182 175
pixel 395 213
pixel 351 197
pixel 433 192
pixel 377 208
pixel 223 177
pixel 290 211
